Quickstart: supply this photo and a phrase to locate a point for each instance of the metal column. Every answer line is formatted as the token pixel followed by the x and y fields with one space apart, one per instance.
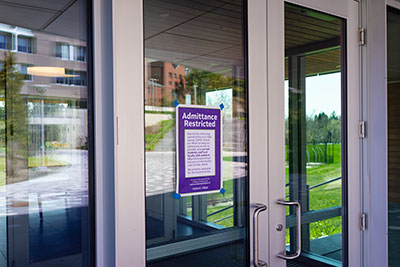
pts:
pixel 298 189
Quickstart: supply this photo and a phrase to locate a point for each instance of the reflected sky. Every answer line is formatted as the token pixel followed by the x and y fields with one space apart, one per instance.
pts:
pixel 319 89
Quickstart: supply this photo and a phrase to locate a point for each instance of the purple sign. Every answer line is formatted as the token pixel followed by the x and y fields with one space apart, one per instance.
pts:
pixel 199 150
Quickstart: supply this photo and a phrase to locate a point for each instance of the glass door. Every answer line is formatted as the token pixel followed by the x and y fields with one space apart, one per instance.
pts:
pixel 194 56
pixel 275 73
pixel 317 133
pixel 315 147
pixel 393 84
pixel 46 151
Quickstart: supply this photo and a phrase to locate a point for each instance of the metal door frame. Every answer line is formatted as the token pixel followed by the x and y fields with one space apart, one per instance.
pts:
pixel 374 147
pixel 266 134
pixel 266 18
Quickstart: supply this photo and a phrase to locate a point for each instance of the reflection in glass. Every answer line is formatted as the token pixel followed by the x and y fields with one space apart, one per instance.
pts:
pixel 314 148
pixel 194 54
pixel 393 123
pixel 44 181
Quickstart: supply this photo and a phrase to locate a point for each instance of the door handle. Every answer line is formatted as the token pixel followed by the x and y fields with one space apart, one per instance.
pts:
pixel 283 255
pixel 258 209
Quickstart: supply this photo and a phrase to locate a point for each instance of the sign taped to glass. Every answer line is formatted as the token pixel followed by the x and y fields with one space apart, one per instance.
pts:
pixel 199 150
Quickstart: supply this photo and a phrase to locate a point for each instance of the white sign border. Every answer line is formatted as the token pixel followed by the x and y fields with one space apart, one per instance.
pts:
pixel 177 150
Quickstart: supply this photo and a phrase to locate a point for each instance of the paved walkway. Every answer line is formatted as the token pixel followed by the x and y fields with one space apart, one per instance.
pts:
pixel 167 143
pixel 160 171
pixel 68 187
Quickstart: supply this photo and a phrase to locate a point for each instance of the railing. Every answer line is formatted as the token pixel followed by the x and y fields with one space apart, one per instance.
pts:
pixel 318 185
pixel 219 211
pixel 316 215
pixel 307 217
pixel 326 182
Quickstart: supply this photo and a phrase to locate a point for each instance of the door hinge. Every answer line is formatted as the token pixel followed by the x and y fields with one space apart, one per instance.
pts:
pixel 363 221
pixel 361 32
pixel 362 129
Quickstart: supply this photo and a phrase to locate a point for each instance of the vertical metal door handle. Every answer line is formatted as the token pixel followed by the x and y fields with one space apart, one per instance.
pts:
pixel 283 255
pixel 258 208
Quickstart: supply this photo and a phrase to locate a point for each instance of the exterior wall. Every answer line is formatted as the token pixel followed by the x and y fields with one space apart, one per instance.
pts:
pixel 374 146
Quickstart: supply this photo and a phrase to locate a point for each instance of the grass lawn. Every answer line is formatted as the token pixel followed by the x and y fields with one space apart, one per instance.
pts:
pixel 325 196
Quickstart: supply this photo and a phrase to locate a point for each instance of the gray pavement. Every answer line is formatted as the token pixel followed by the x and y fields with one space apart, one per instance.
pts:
pixel 67 187
pixel 167 143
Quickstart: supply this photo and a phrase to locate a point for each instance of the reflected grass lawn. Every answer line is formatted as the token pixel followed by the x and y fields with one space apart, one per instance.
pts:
pixel 223 214
pixel 49 161
pixel 325 196
pixel 33 162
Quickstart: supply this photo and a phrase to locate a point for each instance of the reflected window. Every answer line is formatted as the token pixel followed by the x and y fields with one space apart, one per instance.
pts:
pixel 5 40
pixel 62 50
pixel 79 78
pixel 80 53
pixel 25 44
pixel 23 69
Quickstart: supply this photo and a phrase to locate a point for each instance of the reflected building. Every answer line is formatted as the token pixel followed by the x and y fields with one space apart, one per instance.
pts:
pixel 165 83
pixel 64 97
pixel 44 142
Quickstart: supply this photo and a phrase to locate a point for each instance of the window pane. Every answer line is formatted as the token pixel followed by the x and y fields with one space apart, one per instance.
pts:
pixel 393 97
pixel 23 70
pixel 80 53
pixel 25 44
pixel 62 50
pixel 194 54
pixel 313 119
pixel 5 40
pixel 44 160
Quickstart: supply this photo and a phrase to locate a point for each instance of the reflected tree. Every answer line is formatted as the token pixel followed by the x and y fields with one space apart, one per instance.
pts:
pixel 16 121
pixel 207 81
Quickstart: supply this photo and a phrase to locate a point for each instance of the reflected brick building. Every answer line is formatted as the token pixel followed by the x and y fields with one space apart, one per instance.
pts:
pixel 167 80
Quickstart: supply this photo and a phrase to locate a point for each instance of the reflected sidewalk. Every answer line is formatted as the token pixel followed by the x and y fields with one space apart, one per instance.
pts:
pixel 66 188
pixel 160 171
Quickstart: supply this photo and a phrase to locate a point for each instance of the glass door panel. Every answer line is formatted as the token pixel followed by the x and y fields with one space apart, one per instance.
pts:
pixel 393 95
pixel 195 55
pixel 314 131
pixel 45 139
